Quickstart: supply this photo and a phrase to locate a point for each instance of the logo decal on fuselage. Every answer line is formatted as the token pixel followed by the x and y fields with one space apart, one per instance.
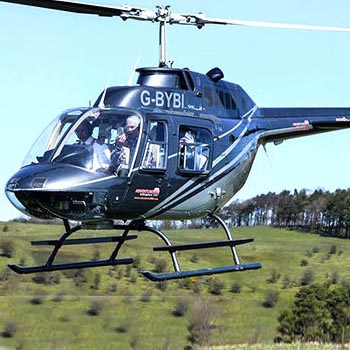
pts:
pixel 147 194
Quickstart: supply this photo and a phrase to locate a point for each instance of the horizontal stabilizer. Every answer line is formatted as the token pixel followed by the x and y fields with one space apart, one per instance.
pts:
pixel 68 266
pixel 203 245
pixel 157 277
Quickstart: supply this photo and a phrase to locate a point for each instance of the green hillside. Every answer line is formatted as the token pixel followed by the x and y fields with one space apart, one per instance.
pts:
pixel 116 308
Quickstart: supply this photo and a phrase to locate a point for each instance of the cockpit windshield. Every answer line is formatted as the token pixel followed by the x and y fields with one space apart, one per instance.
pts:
pixel 97 140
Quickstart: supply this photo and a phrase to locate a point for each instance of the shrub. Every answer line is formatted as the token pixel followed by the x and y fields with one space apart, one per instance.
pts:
pixel 113 288
pixel 271 298
pixel 46 278
pixel 194 258
pixel 304 262
pixel 146 296
pixel 133 277
pixel 216 286
pixel 184 283
pixel 334 277
pixel 80 277
pixel 5 275
pixel 162 285
pixel 128 270
pixel 333 249
pixel 96 255
pixel 181 307
pixel 97 281
pixel 7 249
pixel 236 287
pixel 160 265
pixel 274 277
pixel 137 262
pixel 120 273
pixel 134 340
pixel 9 330
pixel 38 298
pixel 95 308
pixel 315 249
pixel 123 327
pixel 196 285
pixel 286 282
pixel 202 316
pixel 307 277
pixel 59 297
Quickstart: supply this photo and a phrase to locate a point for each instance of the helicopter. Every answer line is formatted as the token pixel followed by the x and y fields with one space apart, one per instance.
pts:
pixel 176 145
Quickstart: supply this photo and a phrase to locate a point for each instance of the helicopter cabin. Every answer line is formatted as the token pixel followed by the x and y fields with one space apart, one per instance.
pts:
pixel 180 90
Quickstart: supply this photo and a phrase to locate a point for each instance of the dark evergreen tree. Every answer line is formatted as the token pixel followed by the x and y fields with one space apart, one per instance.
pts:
pixel 319 313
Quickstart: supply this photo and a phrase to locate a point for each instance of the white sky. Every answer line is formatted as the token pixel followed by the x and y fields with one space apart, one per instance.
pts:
pixel 52 60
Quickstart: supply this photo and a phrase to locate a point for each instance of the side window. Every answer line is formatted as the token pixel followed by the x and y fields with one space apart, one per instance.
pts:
pixel 208 97
pixel 194 150
pixel 155 156
pixel 230 102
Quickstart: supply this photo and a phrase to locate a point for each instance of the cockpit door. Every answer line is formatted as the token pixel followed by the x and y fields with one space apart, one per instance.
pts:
pixel 149 181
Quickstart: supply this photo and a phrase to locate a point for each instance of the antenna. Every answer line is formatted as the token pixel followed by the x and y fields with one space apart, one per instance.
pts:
pixel 133 70
pixel 101 104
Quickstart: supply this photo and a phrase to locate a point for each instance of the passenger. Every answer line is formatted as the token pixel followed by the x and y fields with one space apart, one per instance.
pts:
pixel 194 159
pixel 100 152
pixel 132 133
pixel 125 145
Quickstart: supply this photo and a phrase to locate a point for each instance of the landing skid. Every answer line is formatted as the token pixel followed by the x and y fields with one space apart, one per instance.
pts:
pixel 120 240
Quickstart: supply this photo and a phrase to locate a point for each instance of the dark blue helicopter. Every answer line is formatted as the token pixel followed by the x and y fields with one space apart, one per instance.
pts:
pixel 177 145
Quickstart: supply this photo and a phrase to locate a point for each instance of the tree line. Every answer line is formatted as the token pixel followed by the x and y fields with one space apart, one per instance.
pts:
pixel 320 212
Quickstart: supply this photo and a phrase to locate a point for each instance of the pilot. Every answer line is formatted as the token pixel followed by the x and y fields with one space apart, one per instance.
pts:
pixel 125 145
pixel 100 152
pixel 84 133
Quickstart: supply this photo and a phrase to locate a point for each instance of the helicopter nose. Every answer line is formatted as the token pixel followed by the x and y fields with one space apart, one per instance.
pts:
pixel 49 192
pixel 21 207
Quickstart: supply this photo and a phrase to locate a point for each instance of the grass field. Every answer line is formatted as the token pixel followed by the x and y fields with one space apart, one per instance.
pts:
pixel 116 308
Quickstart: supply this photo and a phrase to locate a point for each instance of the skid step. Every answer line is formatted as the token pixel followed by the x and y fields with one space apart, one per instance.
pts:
pixel 69 266
pixel 85 240
pixel 157 277
pixel 203 245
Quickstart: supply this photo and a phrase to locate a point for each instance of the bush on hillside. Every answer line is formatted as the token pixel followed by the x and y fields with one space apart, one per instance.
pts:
pixel 7 249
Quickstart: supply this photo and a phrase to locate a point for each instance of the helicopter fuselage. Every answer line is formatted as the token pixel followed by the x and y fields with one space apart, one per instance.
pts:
pixel 197 138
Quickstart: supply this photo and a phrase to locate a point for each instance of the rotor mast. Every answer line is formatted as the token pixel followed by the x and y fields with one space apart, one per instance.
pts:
pixel 163 16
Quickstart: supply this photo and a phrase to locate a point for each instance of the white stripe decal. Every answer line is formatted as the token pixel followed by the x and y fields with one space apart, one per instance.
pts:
pixel 239 138
pixel 170 200
pixel 249 114
pixel 80 184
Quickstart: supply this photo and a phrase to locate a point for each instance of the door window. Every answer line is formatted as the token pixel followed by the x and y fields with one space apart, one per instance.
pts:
pixel 194 149
pixel 155 156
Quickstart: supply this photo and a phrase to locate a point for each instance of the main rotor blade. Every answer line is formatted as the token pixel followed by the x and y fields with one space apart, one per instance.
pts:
pixel 86 8
pixel 162 14
pixel 200 20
